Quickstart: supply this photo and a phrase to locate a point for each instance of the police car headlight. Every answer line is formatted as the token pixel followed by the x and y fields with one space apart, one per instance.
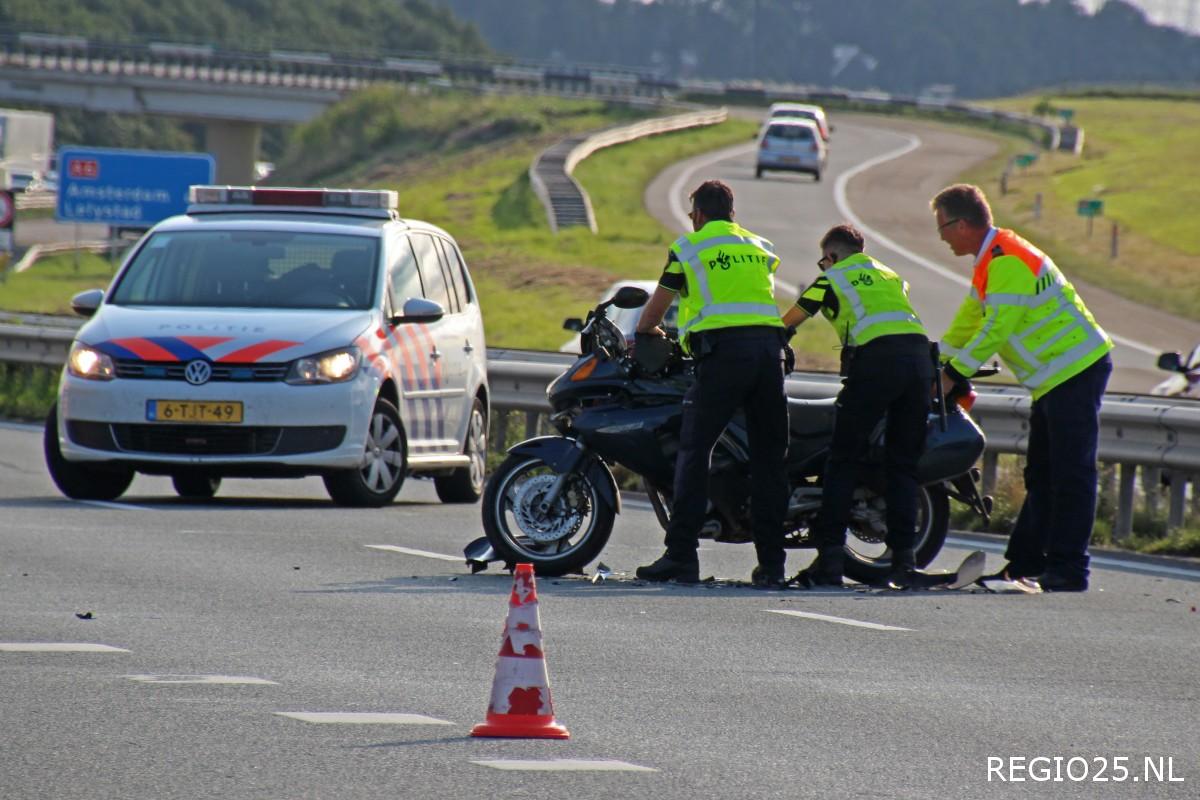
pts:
pixel 332 367
pixel 88 362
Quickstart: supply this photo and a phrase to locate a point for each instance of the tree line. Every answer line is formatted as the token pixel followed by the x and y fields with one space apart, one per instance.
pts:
pixel 981 48
pixel 343 26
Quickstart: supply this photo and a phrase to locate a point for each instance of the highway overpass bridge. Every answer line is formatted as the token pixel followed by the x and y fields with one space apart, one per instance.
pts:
pixel 233 93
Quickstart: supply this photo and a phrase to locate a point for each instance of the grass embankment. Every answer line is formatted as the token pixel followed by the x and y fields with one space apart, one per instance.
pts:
pixel 1150 534
pixel 48 286
pixel 1139 157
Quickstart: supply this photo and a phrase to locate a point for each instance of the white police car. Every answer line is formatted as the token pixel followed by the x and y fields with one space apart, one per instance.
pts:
pixel 278 333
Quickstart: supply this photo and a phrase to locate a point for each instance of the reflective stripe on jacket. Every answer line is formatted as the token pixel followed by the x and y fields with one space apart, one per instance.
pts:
pixel 1021 308
pixel 729 273
pixel 872 301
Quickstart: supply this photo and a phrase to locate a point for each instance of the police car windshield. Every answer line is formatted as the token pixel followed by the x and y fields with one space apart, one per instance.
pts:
pixel 251 269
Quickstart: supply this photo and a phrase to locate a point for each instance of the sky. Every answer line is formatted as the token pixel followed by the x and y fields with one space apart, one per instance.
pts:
pixel 1183 14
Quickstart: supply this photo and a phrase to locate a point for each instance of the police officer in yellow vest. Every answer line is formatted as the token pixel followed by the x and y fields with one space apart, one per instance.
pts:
pixel 1022 308
pixel 730 324
pixel 888 369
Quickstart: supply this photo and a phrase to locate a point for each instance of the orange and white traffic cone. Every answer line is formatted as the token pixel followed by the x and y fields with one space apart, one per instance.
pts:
pixel 520 706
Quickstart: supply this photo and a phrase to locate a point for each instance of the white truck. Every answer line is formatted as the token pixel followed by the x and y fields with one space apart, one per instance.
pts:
pixel 26 147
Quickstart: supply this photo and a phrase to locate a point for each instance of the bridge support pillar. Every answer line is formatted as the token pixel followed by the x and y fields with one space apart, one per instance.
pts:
pixel 234 145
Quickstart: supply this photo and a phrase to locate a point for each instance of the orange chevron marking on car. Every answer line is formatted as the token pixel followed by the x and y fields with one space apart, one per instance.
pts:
pixel 205 342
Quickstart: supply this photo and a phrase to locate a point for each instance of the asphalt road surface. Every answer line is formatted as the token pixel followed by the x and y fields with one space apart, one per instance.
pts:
pixel 881 175
pixel 269 601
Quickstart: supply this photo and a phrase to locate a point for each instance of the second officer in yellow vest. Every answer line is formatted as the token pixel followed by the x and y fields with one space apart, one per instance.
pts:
pixel 730 324
pixel 888 371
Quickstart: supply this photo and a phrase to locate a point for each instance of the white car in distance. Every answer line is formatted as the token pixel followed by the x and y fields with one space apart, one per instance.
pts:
pixel 278 333
pixel 1184 380
pixel 792 145
pixel 801 111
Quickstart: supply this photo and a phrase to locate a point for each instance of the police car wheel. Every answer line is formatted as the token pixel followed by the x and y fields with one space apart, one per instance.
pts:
pixel 78 480
pixel 195 485
pixel 465 484
pixel 377 479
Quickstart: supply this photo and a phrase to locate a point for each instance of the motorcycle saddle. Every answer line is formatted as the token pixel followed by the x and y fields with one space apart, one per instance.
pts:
pixel 809 418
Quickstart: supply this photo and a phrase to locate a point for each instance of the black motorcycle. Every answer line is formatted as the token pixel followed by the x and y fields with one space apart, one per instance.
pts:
pixel 553 501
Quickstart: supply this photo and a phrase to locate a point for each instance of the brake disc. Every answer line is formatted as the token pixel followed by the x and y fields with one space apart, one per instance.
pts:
pixel 867 521
pixel 560 522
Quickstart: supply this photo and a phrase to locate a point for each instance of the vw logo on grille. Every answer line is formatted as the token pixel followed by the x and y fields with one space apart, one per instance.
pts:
pixel 197 372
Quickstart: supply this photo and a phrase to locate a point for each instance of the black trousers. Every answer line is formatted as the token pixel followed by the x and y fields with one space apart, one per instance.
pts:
pixel 889 377
pixel 744 371
pixel 1055 524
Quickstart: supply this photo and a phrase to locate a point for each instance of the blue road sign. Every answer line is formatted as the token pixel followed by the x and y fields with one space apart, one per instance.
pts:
pixel 130 188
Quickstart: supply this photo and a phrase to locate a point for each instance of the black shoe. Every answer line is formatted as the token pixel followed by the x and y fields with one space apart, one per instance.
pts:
pixel 1054 582
pixel 813 575
pixel 761 579
pixel 902 580
pixel 667 569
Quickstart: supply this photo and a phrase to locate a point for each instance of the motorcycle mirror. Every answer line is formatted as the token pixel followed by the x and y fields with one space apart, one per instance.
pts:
pixel 1170 362
pixel 479 554
pixel 573 324
pixel 630 297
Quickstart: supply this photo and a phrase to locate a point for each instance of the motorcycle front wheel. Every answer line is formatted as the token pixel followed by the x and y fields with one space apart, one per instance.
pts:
pixel 562 539
pixel 868 558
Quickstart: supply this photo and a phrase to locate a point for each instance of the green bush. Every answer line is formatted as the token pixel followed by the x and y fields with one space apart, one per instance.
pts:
pixel 27 390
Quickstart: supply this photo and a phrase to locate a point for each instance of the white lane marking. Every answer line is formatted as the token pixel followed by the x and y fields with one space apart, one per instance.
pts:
pixel 364 718
pixel 411 552
pixel 843 206
pixel 676 191
pixel 230 680
pixel 117 506
pixel 58 647
pixel 676 197
pixel 21 426
pixel 1101 561
pixel 875 626
pixel 564 765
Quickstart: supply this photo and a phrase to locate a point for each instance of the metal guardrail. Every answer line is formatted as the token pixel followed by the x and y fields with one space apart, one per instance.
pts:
pixel 31 344
pixel 1139 429
pixel 567 203
pixel 30 256
pixel 1135 430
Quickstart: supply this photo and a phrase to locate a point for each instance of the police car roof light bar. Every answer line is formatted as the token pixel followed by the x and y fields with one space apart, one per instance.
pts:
pixel 303 198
